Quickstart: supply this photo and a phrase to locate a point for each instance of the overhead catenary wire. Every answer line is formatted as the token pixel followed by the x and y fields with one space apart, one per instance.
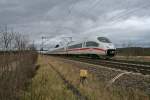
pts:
pixel 126 13
pixel 114 19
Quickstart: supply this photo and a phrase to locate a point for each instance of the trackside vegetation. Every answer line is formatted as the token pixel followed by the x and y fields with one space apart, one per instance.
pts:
pixel 47 84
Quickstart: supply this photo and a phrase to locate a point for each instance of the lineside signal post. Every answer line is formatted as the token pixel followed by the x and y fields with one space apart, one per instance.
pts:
pixel 83 75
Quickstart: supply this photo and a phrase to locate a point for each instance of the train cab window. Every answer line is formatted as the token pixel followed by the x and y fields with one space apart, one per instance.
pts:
pixel 75 46
pixel 91 44
pixel 103 39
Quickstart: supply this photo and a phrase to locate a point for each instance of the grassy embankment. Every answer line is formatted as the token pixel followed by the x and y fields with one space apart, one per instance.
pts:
pixel 16 71
pixel 48 85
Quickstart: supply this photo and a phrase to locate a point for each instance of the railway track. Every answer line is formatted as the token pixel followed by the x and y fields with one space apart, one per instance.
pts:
pixel 127 66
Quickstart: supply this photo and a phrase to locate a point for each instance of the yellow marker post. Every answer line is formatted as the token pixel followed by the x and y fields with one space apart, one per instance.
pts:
pixel 83 75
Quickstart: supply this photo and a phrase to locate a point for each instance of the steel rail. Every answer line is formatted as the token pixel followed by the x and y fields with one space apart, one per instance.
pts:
pixel 131 67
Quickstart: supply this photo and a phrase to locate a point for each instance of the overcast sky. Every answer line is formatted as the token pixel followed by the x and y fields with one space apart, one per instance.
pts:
pixel 119 20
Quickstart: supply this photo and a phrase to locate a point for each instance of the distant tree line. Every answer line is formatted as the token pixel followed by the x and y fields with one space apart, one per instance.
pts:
pixel 11 41
pixel 133 51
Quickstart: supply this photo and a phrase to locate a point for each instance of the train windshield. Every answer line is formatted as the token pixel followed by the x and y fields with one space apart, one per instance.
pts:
pixel 91 44
pixel 103 39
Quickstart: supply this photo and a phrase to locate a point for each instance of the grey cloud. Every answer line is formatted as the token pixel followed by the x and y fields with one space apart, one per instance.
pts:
pixel 58 18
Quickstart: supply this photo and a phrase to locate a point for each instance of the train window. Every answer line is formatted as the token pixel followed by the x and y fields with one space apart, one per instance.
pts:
pixel 75 46
pixel 57 46
pixel 91 44
pixel 103 39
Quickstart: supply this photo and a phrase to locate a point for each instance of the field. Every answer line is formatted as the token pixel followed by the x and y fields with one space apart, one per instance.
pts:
pixel 133 58
pixel 133 54
pixel 51 78
pixel 133 51
pixel 59 79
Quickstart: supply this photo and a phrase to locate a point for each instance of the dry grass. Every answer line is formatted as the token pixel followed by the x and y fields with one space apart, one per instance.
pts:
pixel 16 69
pixel 134 58
pixel 95 89
pixel 47 85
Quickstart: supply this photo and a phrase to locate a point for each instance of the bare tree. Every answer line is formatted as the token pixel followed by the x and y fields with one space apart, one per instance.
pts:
pixel 21 42
pixel 6 40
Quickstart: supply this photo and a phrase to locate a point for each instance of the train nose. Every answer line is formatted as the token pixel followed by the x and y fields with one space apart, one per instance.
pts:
pixel 111 52
pixel 109 46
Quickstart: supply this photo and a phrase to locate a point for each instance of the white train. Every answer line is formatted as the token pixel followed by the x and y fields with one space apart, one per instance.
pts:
pixel 93 46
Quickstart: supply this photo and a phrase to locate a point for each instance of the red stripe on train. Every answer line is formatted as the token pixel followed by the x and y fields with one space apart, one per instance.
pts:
pixel 99 49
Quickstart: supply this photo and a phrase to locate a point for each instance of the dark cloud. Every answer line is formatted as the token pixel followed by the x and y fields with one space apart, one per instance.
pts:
pixel 57 18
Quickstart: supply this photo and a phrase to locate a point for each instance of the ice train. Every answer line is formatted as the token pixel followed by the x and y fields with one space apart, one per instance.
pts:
pixel 92 46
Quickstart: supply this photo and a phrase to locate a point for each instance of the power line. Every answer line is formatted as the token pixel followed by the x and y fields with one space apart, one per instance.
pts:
pixel 114 21
pixel 125 14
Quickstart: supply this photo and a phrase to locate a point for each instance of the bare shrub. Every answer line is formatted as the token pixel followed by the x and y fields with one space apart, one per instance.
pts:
pixel 16 67
pixel 21 42
pixel 6 40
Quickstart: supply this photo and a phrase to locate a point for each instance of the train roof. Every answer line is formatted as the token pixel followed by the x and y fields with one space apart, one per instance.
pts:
pixel 78 41
pixel 90 38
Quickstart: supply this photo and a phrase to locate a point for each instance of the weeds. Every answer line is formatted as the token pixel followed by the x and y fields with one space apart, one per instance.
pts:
pixel 95 89
pixel 15 71
pixel 47 85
